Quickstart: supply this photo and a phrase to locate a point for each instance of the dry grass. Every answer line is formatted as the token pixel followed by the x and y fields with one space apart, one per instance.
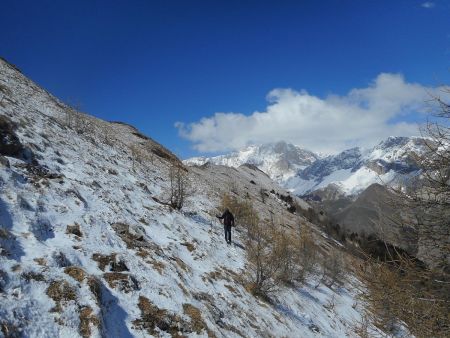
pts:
pixel 198 325
pixel 135 239
pixel 185 291
pixel 95 286
pixel 9 330
pixel 152 318
pixel 143 253
pixel 121 281
pixel 214 275
pixel 232 289
pixel 76 273
pixel 157 265
pixel 74 230
pixel 61 291
pixel 87 319
pixel 189 246
pixel 181 264
pixel 104 260
pixel 41 261
pixel 405 292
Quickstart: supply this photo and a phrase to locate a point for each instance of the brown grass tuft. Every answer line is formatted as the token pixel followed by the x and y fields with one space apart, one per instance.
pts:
pixel 121 281
pixel 76 273
pixel 61 291
pixel 194 313
pixel 87 318
pixel 95 286
pixel 74 230
pixel 104 260
pixel 41 261
pixel 189 246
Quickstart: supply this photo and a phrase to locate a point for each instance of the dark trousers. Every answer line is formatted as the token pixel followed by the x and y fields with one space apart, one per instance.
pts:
pixel 227 229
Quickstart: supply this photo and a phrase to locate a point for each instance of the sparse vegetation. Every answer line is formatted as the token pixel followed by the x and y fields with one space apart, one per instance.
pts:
pixel 194 313
pixel 402 291
pixel 104 260
pixel 153 318
pixel 121 281
pixel 74 230
pixel 241 209
pixel 87 320
pixel 61 291
pixel 76 273
pixel 333 268
pixel 401 288
pixel 276 255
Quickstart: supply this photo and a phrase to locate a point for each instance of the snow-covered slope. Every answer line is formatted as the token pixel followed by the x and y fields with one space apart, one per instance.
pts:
pixel 88 248
pixel 279 160
pixel 354 170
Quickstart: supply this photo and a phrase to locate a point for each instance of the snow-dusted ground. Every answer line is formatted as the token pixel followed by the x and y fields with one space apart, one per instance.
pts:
pixel 171 258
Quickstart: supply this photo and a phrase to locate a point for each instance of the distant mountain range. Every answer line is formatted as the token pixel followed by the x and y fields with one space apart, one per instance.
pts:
pixel 280 160
pixel 349 172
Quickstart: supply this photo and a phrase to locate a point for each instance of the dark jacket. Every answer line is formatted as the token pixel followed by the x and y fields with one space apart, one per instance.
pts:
pixel 228 218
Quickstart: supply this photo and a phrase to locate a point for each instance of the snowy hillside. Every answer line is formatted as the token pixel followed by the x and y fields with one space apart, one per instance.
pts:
pixel 89 247
pixel 280 160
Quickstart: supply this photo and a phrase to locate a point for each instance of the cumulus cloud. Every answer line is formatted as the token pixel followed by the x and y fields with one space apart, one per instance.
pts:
pixel 362 117
pixel 428 4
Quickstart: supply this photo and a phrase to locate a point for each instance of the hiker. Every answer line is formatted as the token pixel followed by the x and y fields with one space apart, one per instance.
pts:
pixel 228 222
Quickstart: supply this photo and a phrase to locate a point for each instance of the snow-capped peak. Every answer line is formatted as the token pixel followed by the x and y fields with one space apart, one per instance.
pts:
pixel 280 160
pixel 355 169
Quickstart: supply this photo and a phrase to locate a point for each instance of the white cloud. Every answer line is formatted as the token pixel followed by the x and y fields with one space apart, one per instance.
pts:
pixel 428 4
pixel 360 118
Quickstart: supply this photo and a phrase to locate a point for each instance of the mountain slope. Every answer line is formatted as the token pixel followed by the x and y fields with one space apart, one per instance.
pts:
pixel 89 247
pixel 373 214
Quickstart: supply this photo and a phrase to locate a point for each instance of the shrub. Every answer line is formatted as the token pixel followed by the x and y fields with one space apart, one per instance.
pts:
pixel 333 268
pixel 306 254
pixel 403 291
pixel 242 210
pixel 179 185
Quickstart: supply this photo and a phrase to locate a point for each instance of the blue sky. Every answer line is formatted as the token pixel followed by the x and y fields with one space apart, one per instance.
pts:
pixel 156 63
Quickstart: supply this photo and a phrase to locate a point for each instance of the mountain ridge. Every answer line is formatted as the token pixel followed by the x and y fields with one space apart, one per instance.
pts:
pixel 351 170
pixel 280 160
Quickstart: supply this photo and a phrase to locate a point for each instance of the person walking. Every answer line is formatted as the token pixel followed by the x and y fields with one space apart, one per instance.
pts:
pixel 228 222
